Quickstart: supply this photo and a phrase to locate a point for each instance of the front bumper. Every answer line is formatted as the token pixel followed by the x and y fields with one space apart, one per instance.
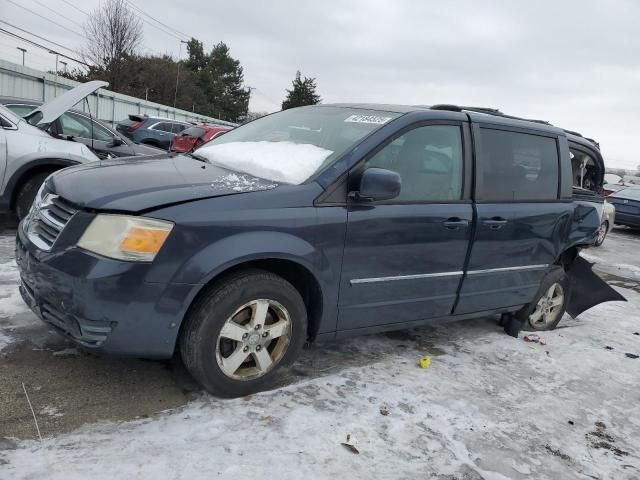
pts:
pixel 102 304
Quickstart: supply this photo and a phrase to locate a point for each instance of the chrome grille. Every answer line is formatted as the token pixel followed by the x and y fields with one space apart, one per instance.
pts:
pixel 47 218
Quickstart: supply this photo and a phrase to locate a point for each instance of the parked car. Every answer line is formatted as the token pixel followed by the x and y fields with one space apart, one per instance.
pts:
pixel 610 188
pixel 29 153
pixel 195 136
pixel 627 203
pixel 81 127
pixel 318 222
pixel 606 222
pixel 155 131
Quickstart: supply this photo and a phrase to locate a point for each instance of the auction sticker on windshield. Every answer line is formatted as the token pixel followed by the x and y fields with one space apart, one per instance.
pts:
pixel 367 119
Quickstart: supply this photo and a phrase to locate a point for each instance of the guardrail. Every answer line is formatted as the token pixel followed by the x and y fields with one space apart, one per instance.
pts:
pixel 107 106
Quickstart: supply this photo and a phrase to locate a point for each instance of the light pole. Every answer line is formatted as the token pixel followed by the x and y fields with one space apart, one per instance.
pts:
pixel 23 50
pixel 175 94
pixel 55 86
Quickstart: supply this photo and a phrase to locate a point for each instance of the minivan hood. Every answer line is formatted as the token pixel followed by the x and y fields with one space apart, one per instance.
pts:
pixel 138 184
pixel 49 112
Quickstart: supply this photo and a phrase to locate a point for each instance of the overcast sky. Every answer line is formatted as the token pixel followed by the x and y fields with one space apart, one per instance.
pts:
pixel 574 63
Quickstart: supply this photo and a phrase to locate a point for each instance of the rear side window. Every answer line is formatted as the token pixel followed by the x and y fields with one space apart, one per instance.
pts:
pixel 163 127
pixel 21 109
pixel 517 166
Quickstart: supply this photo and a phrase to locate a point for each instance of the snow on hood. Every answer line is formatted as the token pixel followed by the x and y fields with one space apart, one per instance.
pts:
pixel 285 162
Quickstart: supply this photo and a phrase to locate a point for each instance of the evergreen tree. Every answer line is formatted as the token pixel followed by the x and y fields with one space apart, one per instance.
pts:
pixel 303 93
pixel 221 78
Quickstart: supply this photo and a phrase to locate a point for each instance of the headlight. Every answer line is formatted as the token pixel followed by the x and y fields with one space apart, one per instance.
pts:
pixel 125 237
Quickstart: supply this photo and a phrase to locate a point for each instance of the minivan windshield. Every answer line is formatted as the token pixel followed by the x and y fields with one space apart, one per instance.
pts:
pixel 292 145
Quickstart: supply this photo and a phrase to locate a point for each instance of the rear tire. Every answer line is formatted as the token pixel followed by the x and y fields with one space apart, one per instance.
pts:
pixel 242 333
pixel 27 193
pixel 549 304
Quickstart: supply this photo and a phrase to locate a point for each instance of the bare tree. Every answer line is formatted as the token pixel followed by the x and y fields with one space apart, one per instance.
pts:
pixel 114 35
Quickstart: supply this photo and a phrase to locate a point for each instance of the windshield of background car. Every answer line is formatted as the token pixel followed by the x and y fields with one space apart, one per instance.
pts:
pixel 633 193
pixel 196 132
pixel 293 145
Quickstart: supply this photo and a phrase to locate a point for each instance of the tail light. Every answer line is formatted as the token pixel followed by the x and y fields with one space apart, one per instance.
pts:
pixel 134 126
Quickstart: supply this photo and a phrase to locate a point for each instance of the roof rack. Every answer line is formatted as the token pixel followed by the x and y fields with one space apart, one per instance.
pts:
pixel 498 113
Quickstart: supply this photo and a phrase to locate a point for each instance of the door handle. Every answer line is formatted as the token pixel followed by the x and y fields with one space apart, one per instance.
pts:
pixel 455 223
pixel 494 223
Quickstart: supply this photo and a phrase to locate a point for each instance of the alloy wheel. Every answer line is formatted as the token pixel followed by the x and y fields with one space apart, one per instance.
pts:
pixel 548 307
pixel 602 233
pixel 253 339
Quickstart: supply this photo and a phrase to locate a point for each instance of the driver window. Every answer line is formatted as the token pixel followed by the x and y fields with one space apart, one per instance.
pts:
pixel 429 161
pixel 79 126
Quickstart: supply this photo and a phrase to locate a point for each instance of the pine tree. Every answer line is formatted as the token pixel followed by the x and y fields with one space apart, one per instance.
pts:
pixel 221 78
pixel 303 93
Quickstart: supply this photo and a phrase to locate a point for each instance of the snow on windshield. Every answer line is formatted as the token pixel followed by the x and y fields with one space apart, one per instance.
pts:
pixel 286 162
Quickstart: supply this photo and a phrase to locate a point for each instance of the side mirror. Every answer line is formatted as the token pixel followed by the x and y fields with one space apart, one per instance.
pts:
pixel 115 142
pixel 378 184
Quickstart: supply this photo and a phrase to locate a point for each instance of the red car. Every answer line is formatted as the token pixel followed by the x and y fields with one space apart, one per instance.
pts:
pixel 192 137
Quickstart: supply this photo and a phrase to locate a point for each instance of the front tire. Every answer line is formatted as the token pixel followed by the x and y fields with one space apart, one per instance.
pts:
pixel 549 304
pixel 243 332
pixel 27 193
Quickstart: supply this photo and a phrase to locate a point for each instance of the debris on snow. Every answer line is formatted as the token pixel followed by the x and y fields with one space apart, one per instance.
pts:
pixel 424 362
pixel 533 338
pixel 67 352
pixel 350 446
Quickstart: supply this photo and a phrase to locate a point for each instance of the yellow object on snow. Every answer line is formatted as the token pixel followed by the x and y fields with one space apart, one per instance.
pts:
pixel 424 362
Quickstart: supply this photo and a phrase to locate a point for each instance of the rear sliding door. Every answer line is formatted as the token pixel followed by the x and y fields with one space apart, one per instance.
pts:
pixel 522 222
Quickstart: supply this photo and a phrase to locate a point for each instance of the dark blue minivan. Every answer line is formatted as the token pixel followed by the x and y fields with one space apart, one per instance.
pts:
pixel 312 223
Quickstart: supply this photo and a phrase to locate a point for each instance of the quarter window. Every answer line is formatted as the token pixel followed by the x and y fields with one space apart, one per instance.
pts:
pixel 429 162
pixel 517 166
pixel 178 127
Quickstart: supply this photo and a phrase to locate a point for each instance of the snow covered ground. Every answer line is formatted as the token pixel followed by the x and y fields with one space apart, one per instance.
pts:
pixel 489 407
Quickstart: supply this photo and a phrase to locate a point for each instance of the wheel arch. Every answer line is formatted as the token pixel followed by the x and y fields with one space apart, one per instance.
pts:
pixel 293 271
pixel 26 171
pixel 567 257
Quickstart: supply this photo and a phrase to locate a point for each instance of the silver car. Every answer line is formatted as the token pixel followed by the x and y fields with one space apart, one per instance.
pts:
pixel 606 222
pixel 28 154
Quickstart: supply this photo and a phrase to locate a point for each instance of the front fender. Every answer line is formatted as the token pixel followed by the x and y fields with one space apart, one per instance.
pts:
pixel 244 247
pixel 27 164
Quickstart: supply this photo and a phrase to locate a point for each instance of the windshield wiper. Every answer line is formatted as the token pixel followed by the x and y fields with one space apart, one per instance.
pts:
pixel 198 157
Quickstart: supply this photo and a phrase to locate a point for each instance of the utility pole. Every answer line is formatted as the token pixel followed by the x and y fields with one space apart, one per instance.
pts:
pixel 175 94
pixel 23 50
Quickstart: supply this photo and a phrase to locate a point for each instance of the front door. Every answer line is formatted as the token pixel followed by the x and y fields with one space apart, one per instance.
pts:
pixel 404 258
pixel 521 221
pixel 84 130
